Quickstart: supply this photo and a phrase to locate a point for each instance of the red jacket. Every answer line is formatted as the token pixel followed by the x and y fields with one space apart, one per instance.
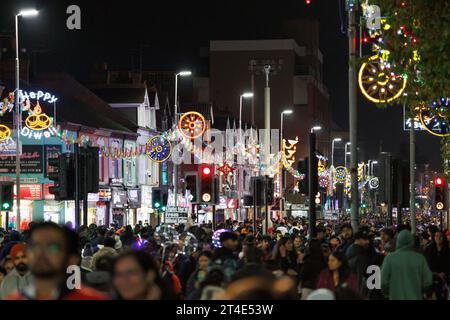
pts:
pixel 326 281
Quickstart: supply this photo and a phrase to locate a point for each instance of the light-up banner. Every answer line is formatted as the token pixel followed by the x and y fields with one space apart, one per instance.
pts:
pixel 38 124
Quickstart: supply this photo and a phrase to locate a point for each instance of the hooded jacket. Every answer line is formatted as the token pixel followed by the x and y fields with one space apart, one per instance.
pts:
pixel 405 274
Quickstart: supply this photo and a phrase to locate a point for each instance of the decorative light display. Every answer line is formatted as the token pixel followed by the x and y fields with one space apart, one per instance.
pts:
pixel 7 104
pixel 5 132
pixel 435 118
pixel 323 182
pixel 374 183
pixel 321 166
pixel 225 169
pixel 192 125
pixel 340 174
pixel 216 237
pixel 38 120
pixel 378 82
pixel 360 171
pixel 159 149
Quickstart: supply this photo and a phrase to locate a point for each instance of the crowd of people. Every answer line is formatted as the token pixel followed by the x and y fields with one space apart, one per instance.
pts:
pixel 234 261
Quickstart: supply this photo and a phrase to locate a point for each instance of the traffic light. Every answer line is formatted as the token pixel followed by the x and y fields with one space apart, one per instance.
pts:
pixel 89 169
pixel 192 186
pixel 7 197
pixel 440 202
pixel 257 189
pixel 60 177
pixel 206 184
pixel 157 198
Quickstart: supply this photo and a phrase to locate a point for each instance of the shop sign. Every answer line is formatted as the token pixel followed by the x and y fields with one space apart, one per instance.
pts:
pixel 51 152
pixel 47 194
pixel 116 181
pixel 30 160
pixel 176 215
pixel 104 194
pixel 31 191
pixel 133 198
pixel 146 196
pixel 94 197
pixel 227 203
pixel 8 147
pixel 119 198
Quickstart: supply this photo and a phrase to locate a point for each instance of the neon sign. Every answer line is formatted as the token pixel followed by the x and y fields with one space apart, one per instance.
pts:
pixel 39 95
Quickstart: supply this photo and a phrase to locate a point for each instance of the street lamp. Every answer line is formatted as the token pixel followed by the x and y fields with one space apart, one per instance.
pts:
pixel 316 128
pixel 371 167
pixel 346 153
pixel 288 111
pixel 22 13
pixel 184 73
pixel 332 149
pixel 245 95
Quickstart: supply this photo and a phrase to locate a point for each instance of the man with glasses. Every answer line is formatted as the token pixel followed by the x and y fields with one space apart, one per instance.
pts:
pixel 50 251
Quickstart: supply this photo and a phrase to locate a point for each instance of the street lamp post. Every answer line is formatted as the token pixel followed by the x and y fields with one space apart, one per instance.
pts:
pixel 371 167
pixel 22 13
pixel 280 171
pixel 175 166
pixel 347 153
pixel 312 181
pixel 245 95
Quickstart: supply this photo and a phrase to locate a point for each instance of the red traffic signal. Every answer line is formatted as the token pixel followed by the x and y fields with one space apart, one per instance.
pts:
pixel 439 181
pixel 206 171
pixel 308 1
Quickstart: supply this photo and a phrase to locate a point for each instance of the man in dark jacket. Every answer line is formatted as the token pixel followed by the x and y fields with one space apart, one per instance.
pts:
pixel 358 257
pixel 225 256
pixel 346 236
pixel 438 256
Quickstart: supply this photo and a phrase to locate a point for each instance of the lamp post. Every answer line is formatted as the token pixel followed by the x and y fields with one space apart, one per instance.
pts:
pixel 22 13
pixel 371 167
pixel 312 181
pixel 175 166
pixel 245 95
pixel 280 171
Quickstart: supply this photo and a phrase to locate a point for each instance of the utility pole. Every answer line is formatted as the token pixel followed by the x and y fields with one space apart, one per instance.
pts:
pixel 267 117
pixel 352 9
pixel 412 176
pixel 312 184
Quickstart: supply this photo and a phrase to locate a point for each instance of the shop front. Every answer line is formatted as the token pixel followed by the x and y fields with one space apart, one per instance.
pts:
pixel 119 206
pixel 145 211
pixel 133 204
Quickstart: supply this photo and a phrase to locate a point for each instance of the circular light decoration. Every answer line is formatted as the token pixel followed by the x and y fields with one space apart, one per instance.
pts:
pixel 5 132
pixel 159 149
pixel 340 174
pixel 216 237
pixel 378 82
pixel 323 182
pixel 436 117
pixel 321 166
pixel 374 183
pixel 439 205
pixel 38 120
pixel 192 125
pixel 225 169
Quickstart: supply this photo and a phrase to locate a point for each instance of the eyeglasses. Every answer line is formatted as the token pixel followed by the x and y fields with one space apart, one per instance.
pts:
pixel 48 248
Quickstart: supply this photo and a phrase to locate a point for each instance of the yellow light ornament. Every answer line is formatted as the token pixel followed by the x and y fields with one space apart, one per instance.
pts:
pixel 378 83
pixel 5 132
pixel 38 120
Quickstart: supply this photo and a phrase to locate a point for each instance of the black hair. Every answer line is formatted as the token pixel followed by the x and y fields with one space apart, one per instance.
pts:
pixel 253 255
pixel 344 269
pixel 346 225
pixel 70 237
pixel 388 231
pixel 109 242
pixel 205 253
pixel 3 270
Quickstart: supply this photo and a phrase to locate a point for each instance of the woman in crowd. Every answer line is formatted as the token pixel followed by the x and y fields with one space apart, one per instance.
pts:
pixel 200 273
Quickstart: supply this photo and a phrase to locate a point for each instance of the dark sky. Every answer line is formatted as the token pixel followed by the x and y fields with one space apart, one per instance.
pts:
pixel 174 32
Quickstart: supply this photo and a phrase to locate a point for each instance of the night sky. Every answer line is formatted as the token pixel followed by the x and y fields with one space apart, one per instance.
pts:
pixel 175 35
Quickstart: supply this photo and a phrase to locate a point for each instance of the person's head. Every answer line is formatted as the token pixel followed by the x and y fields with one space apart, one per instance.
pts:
pixel 439 237
pixel 347 231
pixel 229 240
pixel 265 243
pixel 204 260
pixel 336 261
pixel 134 274
pixel 51 250
pixel 320 231
pixel 298 242
pixel 334 242
pixel 19 257
pixel 386 234
pixel 362 239
pixel 8 265
pixel 253 255
pixel 109 242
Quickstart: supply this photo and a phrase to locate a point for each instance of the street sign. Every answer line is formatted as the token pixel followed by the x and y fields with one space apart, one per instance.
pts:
pixel 176 215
